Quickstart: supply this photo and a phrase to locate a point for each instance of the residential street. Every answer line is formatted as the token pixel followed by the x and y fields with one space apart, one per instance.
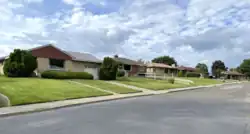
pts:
pixel 220 110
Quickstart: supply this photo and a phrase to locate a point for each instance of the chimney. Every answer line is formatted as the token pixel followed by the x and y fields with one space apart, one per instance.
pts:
pixel 116 56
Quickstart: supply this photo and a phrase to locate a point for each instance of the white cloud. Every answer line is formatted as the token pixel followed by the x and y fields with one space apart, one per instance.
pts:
pixel 204 31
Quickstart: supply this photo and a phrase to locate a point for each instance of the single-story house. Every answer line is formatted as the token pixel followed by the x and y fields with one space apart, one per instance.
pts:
pixel 234 75
pixel 131 67
pixel 161 69
pixel 50 57
pixel 185 69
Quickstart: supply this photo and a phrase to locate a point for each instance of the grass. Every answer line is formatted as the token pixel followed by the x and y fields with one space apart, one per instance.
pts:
pixel 149 83
pixel 110 87
pixel 33 90
pixel 203 81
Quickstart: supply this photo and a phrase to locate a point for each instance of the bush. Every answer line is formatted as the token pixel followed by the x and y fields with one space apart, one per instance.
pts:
pixel 108 69
pixel 171 80
pixel 20 63
pixel 180 74
pixel 51 74
pixel 192 74
pixel 121 73
pixel 4 101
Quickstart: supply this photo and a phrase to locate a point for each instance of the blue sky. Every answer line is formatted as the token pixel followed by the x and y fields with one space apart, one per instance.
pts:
pixel 192 31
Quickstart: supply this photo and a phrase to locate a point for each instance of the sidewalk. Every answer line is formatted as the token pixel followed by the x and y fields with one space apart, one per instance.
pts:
pixel 15 110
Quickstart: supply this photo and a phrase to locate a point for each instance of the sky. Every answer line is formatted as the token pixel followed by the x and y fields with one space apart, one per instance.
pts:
pixel 191 31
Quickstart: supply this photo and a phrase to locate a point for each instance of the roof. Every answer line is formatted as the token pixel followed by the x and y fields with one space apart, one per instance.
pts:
pixel 187 68
pixel 126 61
pixel 232 73
pixel 159 65
pixel 78 56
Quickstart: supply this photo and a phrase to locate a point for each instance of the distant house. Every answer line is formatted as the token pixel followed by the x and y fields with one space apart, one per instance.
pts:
pixel 131 67
pixel 50 57
pixel 234 75
pixel 161 69
pixel 185 69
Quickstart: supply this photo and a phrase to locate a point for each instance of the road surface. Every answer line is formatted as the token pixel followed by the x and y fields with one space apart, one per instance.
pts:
pixel 220 110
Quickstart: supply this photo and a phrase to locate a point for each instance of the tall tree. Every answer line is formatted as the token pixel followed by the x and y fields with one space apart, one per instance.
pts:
pixel 203 68
pixel 218 66
pixel 245 67
pixel 165 59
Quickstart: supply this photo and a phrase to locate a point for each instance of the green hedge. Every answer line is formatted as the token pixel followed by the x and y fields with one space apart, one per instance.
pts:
pixel 51 74
pixel 192 74
pixel 121 73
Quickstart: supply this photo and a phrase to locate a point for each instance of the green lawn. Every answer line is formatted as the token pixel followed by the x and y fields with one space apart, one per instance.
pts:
pixel 149 83
pixel 110 87
pixel 33 90
pixel 203 81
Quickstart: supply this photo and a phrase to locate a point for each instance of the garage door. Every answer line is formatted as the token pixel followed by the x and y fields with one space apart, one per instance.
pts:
pixel 93 71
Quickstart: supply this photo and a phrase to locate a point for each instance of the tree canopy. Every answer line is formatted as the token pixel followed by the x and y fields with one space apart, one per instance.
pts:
pixel 202 68
pixel 245 67
pixel 217 67
pixel 108 70
pixel 20 63
pixel 165 59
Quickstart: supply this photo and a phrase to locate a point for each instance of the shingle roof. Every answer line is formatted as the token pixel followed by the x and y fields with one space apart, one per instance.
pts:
pixel 187 68
pixel 159 65
pixel 78 56
pixel 232 73
pixel 126 61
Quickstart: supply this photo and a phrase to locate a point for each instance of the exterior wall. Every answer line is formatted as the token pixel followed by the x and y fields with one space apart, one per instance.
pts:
pixel 76 66
pixel 134 70
pixel 156 70
pixel 42 64
pixel 50 52
pixel 160 71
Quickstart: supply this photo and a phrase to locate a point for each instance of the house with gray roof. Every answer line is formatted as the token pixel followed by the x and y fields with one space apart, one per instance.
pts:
pixel 50 57
pixel 131 67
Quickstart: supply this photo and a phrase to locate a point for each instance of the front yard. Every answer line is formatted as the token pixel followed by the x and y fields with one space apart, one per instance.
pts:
pixel 33 90
pixel 107 86
pixel 163 84
pixel 149 83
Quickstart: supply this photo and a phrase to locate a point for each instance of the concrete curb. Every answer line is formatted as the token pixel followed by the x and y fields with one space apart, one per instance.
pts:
pixel 36 110
pixel 17 110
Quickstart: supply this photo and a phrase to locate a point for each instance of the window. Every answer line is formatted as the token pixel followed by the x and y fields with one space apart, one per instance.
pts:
pixel 127 67
pixel 55 64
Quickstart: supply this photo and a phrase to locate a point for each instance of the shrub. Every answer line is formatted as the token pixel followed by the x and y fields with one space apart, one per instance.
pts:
pixel 192 74
pixel 20 63
pixel 108 69
pixel 4 101
pixel 180 74
pixel 51 74
pixel 121 73
pixel 171 80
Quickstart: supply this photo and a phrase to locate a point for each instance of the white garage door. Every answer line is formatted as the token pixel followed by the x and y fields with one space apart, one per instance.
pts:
pixel 93 71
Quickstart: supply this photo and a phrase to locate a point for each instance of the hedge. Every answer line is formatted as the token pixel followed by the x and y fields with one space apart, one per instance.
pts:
pixel 51 74
pixel 192 74
pixel 121 73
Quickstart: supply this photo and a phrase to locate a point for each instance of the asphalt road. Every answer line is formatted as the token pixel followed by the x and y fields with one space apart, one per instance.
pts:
pixel 221 110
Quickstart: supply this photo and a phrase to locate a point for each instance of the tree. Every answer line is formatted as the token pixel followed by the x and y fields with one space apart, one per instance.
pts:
pixel 20 63
pixel 245 67
pixel 165 59
pixel 202 68
pixel 218 66
pixel 108 69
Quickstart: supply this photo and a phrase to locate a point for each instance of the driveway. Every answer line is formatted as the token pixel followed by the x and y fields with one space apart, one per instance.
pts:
pixel 220 110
